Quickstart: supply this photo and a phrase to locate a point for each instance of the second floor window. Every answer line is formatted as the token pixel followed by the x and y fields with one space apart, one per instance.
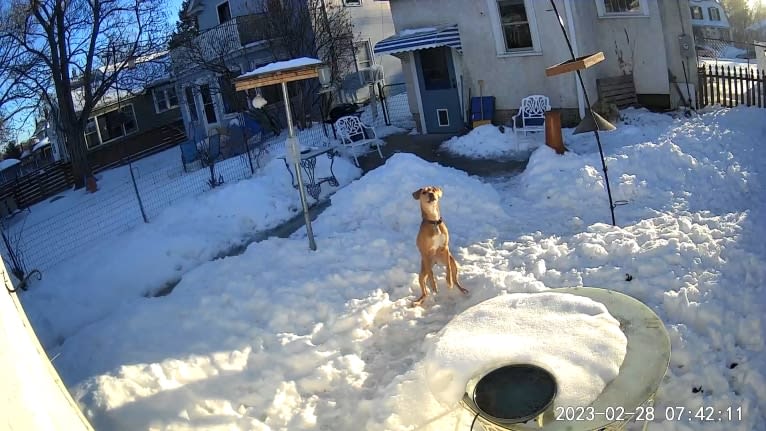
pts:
pixel 352 2
pixel 224 12
pixel 715 14
pixel 515 25
pixel 165 99
pixel 363 54
pixel 696 12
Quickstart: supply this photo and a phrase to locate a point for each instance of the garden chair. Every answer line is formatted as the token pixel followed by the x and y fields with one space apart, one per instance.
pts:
pixel 531 115
pixel 353 134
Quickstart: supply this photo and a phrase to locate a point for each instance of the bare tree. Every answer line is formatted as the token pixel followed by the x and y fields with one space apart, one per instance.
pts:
pixel 85 44
pixel 313 28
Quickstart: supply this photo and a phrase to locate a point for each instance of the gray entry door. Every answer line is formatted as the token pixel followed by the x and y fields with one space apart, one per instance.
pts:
pixel 439 90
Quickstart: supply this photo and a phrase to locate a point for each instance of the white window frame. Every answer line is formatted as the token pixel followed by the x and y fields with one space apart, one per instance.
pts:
pixel 164 92
pixel 218 15
pixel 643 13
pixel 497 31
pixel 352 3
pixel 124 132
pixel 371 57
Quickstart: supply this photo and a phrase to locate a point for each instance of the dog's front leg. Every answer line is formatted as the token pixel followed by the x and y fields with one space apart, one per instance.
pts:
pixel 422 281
pixel 453 270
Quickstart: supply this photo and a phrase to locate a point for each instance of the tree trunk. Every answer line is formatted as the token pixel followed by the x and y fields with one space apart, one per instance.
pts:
pixel 78 151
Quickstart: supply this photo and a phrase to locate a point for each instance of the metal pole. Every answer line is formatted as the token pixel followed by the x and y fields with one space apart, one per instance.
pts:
pixel 589 112
pixel 297 166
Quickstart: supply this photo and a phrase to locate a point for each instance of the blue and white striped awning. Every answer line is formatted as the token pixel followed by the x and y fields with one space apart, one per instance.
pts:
pixel 422 38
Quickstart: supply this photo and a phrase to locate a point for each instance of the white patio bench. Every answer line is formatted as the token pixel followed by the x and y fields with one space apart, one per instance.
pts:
pixel 354 134
pixel 531 115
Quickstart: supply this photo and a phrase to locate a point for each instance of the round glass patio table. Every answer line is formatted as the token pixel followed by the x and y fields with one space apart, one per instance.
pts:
pixel 642 370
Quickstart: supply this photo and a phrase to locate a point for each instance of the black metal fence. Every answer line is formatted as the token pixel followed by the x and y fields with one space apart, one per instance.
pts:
pixel 728 85
pixel 395 105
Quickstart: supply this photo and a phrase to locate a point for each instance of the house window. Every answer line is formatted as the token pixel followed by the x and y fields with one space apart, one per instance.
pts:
pixel 91 133
pixel 111 125
pixel 164 99
pixel 434 63
pixel 191 104
pixel 363 54
pixel 697 12
pixel 352 2
pixel 207 104
pixel 622 8
pixel 515 25
pixel 715 14
pixel 224 12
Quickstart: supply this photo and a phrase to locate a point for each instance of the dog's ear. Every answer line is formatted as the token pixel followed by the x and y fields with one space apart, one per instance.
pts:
pixel 438 191
pixel 416 194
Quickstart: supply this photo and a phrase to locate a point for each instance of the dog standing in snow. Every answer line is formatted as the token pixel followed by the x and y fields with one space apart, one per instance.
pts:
pixel 433 243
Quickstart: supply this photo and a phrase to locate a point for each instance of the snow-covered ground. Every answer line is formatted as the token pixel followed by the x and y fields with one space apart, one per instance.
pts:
pixel 283 338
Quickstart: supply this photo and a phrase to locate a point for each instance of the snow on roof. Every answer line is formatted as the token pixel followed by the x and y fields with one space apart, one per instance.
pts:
pixel 149 71
pixel 41 143
pixel 411 31
pixel 7 163
pixel 282 65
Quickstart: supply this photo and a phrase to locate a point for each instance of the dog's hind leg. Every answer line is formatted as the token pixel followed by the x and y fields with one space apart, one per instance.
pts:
pixel 452 268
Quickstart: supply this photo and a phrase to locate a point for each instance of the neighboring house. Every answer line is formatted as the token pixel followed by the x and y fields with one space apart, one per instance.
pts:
pixel 227 35
pixel 448 46
pixel 372 23
pixel 134 119
pixel 226 40
pixel 38 152
pixel 709 20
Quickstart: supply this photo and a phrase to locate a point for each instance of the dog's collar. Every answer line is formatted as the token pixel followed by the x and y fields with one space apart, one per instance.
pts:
pixel 435 222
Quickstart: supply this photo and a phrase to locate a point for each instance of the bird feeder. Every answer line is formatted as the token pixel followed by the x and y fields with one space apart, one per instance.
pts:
pixel 282 72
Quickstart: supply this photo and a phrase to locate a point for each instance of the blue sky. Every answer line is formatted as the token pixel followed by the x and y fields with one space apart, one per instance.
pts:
pixel 172 7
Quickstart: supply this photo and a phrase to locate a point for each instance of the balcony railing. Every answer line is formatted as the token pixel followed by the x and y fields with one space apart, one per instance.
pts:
pixel 219 41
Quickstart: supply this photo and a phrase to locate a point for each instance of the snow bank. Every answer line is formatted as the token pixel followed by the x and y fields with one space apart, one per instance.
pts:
pixel 488 142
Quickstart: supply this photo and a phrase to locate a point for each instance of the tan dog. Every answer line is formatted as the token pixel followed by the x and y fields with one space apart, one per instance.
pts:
pixel 433 243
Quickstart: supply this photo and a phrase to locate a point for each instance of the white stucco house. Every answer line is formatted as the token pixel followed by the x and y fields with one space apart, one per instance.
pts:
pixel 448 46
pixel 709 20
pixel 227 31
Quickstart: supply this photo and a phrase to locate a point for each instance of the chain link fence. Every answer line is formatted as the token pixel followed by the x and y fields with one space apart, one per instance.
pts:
pixel 131 194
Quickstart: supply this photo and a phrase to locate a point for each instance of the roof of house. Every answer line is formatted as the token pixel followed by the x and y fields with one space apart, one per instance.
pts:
pixel 149 71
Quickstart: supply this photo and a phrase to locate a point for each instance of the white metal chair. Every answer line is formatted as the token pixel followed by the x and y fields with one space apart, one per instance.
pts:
pixel 354 134
pixel 531 115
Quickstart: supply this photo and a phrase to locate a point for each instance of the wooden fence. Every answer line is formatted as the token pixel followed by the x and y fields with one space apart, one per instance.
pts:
pixel 731 86
pixel 38 185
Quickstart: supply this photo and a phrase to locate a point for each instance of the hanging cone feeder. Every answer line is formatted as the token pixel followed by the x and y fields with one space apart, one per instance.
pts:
pixel 593 122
